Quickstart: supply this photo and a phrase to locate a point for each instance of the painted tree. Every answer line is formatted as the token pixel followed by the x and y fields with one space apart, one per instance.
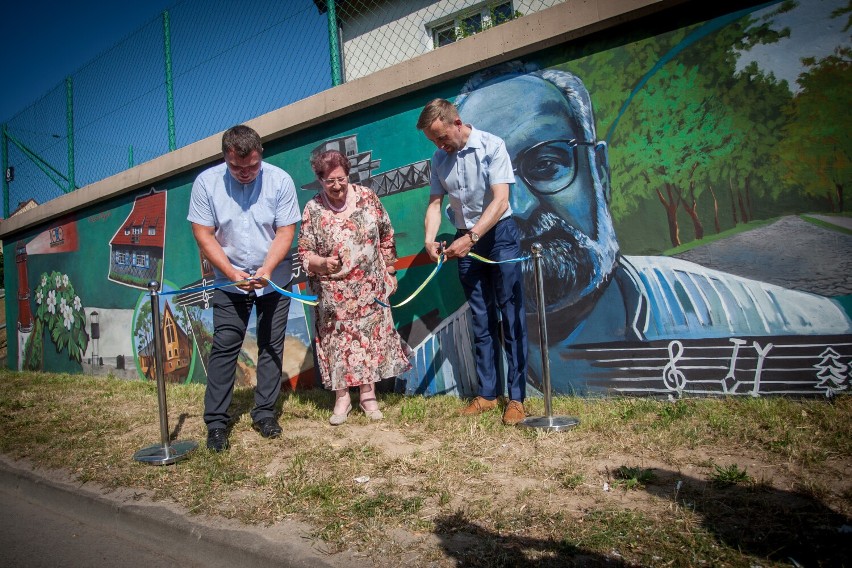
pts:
pixel 59 314
pixel 818 138
pixel 673 131
pixel 832 372
pixel 753 100
pixel 614 76
pixel 756 102
pixel 144 331
pixel 684 126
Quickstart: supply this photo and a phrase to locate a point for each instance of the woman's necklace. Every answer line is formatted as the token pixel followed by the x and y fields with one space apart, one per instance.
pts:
pixel 328 203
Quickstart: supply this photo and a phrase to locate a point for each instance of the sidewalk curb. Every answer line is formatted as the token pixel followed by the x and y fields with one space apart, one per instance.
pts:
pixel 217 542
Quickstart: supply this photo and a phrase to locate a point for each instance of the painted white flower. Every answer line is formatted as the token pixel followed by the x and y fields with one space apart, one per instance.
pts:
pixel 62 305
pixel 39 296
pixel 68 318
pixel 44 280
pixel 77 303
pixel 51 301
pixel 65 280
pixel 57 281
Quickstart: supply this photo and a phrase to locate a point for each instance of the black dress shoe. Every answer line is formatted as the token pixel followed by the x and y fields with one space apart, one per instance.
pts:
pixel 217 440
pixel 268 427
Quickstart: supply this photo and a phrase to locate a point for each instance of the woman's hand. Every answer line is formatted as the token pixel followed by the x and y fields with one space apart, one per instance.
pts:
pixel 332 264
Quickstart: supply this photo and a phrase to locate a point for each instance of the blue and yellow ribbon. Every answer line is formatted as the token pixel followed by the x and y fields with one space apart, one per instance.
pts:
pixel 309 300
pixel 419 288
pixel 487 261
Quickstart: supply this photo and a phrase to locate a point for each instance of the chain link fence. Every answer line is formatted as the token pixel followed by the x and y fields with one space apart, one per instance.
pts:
pixel 205 65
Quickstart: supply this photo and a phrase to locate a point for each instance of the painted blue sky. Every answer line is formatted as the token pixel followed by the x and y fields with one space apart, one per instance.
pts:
pixel 42 42
pixel 813 33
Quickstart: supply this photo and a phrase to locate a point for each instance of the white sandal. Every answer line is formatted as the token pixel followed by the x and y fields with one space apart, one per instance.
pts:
pixel 338 419
pixel 371 414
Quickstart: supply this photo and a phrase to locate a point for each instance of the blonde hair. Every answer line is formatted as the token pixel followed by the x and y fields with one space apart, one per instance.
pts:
pixel 437 109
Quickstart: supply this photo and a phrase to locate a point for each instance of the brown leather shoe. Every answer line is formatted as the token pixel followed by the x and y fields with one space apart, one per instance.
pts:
pixel 514 413
pixel 478 406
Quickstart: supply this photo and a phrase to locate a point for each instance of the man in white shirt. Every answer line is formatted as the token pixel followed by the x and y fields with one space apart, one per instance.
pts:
pixel 243 216
pixel 473 168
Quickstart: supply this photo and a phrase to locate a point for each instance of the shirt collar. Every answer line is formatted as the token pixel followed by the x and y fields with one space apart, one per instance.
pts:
pixel 232 179
pixel 474 140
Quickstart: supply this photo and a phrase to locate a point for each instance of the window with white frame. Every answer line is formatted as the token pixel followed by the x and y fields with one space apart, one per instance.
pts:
pixel 471 21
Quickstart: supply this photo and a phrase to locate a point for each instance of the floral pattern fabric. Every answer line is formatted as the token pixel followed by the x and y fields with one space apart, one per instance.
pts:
pixel 356 342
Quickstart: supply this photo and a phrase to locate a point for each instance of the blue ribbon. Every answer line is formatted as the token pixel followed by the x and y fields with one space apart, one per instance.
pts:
pixel 310 300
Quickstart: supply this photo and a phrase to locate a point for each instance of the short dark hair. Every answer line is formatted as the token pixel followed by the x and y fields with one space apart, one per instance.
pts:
pixel 242 140
pixel 437 109
pixel 326 161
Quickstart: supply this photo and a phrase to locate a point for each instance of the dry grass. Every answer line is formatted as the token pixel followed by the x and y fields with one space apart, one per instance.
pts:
pixel 712 482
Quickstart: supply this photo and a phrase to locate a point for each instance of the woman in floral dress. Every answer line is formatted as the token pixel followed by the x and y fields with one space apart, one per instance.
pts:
pixel 347 248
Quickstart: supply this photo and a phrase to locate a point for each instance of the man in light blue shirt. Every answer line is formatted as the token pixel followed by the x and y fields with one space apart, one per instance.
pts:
pixel 243 216
pixel 473 168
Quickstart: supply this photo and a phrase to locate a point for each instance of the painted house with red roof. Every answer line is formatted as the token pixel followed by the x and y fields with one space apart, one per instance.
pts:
pixel 136 249
pixel 176 351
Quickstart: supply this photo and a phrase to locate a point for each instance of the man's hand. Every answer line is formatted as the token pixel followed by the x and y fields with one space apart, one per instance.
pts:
pixel 435 249
pixel 245 280
pixel 460 247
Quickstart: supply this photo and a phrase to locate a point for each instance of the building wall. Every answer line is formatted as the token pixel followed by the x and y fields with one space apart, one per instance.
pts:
pixel 692 242
pixel 395 32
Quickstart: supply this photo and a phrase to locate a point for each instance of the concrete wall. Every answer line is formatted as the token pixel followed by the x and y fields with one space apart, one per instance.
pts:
pixel 678 259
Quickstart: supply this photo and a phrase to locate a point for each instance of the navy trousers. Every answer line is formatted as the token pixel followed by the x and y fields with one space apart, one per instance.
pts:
pixel 230 320
pixel 490 288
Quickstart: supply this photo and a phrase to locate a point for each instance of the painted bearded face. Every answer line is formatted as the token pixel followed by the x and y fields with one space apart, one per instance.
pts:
pixel 559 197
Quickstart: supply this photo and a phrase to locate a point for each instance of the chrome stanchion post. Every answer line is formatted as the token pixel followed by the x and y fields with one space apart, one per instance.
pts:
pixel 163 453
pixel 548 421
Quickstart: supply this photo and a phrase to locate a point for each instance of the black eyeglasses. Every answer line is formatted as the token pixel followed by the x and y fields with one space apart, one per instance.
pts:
pixel 550 166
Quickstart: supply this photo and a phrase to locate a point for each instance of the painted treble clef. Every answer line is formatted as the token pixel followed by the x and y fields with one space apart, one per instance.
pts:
pixel 673 378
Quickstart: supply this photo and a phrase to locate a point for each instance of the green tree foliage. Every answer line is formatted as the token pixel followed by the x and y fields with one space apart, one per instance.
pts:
pixel 695 123
pixel 59 312
pixel 755 102
pixel 673 133
pixel 818 137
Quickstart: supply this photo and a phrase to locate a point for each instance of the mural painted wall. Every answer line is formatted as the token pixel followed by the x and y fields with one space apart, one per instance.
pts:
pixel 686 183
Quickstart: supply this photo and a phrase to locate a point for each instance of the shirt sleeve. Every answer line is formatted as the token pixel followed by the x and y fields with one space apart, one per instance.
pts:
pixel 437 188
pixel 500 167
pixel 307 239
pixel 287 212
pixel 200 208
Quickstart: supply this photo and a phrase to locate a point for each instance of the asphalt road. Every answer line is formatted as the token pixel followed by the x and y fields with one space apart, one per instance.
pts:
pixel 37 535
pixel 47 520
pixel 790 253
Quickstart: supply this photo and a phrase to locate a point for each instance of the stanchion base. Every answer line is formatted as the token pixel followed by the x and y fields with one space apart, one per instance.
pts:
pixel 165 455
pixel 550 422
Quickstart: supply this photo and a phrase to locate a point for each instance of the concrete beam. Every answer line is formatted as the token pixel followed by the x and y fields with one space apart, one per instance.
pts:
pixel 565 22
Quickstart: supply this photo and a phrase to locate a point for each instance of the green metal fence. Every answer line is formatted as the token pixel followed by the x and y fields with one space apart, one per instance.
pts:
pixel 204 65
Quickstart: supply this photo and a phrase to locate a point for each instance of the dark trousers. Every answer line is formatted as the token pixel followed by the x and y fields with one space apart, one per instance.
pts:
pixel 493 287
pixel 230 319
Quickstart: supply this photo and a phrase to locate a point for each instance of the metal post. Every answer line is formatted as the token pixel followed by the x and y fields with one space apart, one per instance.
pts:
pixel 130 156
pixel 333 44
pixel 170 99
pixel 164 453
pixel 548 421
pixel 4 158
pixel 69 124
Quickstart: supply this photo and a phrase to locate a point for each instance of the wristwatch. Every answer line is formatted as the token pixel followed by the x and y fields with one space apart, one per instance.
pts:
pixel 474 238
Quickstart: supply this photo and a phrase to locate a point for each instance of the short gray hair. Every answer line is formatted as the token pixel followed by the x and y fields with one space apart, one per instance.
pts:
pixel 572 88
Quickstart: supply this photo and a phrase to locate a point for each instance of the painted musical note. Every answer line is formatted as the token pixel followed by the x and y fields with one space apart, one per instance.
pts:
pixel 673 378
